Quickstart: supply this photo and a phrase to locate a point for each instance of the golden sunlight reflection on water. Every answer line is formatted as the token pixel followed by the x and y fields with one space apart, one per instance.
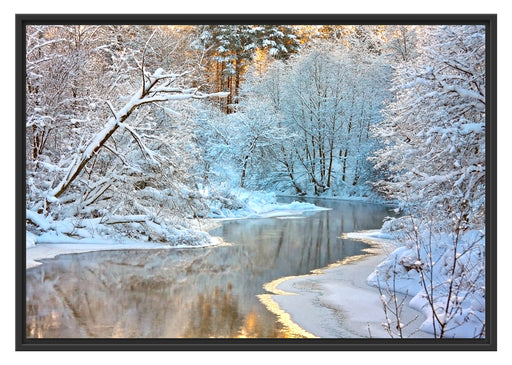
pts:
pixel 224 291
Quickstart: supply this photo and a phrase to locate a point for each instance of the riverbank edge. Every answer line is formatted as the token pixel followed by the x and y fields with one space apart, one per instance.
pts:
pixel 44 251
pixel 338 298
pixel 356 199
pixel 35 252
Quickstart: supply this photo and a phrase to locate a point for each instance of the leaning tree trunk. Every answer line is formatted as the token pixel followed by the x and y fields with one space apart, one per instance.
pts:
pixel 148 93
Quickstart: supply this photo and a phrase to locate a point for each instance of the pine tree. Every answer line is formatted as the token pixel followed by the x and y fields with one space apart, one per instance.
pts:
pixel 230 49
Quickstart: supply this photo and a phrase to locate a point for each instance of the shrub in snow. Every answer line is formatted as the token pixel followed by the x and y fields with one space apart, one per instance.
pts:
pixel 445 276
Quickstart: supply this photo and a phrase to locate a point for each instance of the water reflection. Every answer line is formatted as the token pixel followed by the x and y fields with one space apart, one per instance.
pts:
pixel 197 293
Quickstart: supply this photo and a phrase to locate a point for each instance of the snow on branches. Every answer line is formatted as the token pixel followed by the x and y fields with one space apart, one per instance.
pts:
pixel 150 92
pixel 97 147
pixel 435 129
pixel 434 162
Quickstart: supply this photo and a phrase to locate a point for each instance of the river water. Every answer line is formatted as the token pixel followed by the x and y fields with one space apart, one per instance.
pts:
pixel 192 293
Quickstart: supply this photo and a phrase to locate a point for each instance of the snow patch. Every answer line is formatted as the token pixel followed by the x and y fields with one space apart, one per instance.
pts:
pixel 336 301
pixel 259 204
pixel 49 246
pixel 51 238
pixel 433 260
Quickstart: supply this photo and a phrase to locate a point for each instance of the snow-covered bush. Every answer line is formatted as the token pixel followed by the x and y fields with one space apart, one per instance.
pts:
pixel 444 274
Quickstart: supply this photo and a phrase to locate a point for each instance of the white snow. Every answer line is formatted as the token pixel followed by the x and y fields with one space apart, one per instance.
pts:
pixel 260 204
pixel 337 302
pixel 405 268
pixel 54 238
pixel 37 219
pixel 269 210
pixel 50 245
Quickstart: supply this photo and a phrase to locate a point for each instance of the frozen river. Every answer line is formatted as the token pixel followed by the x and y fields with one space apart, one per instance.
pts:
pixel 200 292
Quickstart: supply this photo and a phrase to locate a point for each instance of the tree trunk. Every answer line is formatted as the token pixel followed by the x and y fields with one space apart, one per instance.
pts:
pixel 331 157
pixel 145 95
pixel 244 169
pixel 344 164
pixel 89 153
pixel 356 174
pixel 290 170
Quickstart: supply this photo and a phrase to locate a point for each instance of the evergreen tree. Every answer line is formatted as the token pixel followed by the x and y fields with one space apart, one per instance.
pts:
pixel 230 49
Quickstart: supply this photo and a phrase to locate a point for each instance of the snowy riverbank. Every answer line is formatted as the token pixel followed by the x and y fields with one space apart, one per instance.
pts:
pixel 441 270
pixel 260 204
pixel 343 300
pixel 54 241
pixel 337 302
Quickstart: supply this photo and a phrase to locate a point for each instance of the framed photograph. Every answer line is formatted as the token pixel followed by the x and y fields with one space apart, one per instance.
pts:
pixel 256 182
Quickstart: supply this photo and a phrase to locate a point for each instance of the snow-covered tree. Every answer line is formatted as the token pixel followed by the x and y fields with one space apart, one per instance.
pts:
pixel 271 88
pixel 434 158
pixel 242 148
pixel 327 98
pixel 435 130
pixel 258 137
pixel 65 101
pixel 123 154
pixel 400 42
pixel 230 50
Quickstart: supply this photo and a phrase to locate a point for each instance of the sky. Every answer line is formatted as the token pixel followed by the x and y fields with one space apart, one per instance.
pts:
pixel 9 8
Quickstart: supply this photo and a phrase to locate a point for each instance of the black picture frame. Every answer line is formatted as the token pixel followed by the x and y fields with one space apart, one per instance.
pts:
pixel 488 344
